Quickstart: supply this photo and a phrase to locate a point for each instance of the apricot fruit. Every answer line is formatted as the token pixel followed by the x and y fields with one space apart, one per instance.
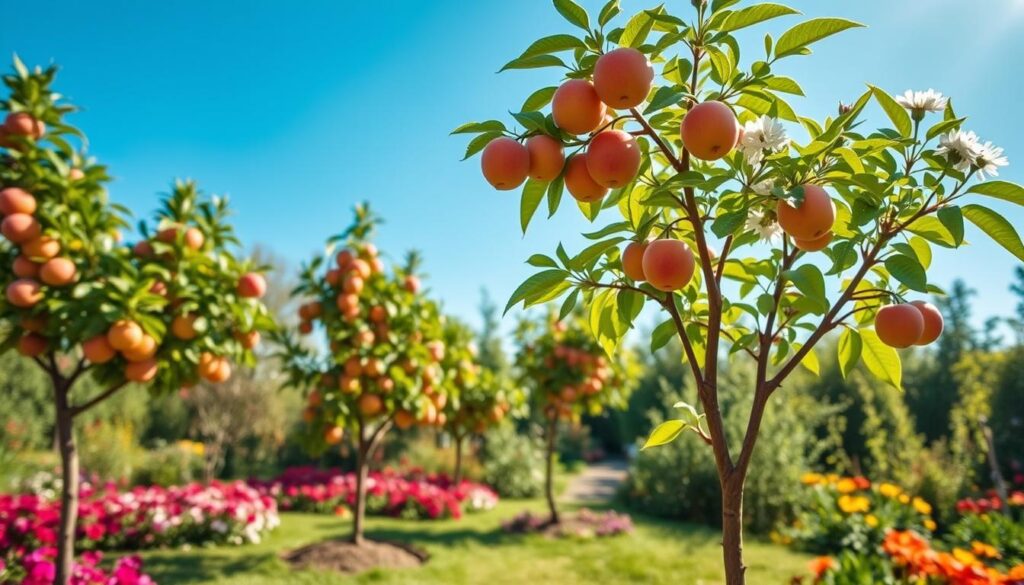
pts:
pixel 15 200
pixel 668 264
pixel 933 322
pixel 58 272
pixel 41 248
pixel 576 107
pixel 710 130
pixel 812 219
pixel 124 334
pixel 144 350
pixel 360 268
pixel 142 249
pixel 370 405
pixel 814 245
pixel 613 158
pixel 547 157
pixel 98 350
pixel 899 326
pixel 32 345
pixel 252 285
pixel 333 434
pixel 25 268
pixel 20 228
pixel 184 326
pixel 623 78
pixel 142 371
pixel 412 283
pixel 580 184
pixel 404 419
pixel 353 284
pixel 24 124
pixel 24 293
pixel 344 259
pixel 505 163
pixel 633 260
pixel 378 314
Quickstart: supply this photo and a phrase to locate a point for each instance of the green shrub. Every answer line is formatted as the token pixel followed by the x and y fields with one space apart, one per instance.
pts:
pixel 109 450
pixel 174 464
pixel 1005 533
pixel 513 464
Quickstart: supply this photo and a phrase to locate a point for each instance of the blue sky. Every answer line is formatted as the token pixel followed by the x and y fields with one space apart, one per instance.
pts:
pixel 298 110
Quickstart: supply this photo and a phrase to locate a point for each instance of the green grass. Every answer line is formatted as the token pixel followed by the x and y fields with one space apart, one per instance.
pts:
pixel 474 550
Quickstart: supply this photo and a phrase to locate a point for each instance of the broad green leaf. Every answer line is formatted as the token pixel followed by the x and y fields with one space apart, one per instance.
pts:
pixel 849 348
pixel 753 15
pixel 610 11
pixel 1004 190
pixel 793 40
pixel 636 30
pixel 996 227
pixel 665 433
pixel 479 142
pixel 536 285
pixel 594 251
pixel 662 334
pixel 882 361
pixel 542 261
pixel 933 230
pixel 897 113
pixel 943 127
pixel 477 127
pixel 908 271
pixel 810 361
pixel 574 13
pixel 923 251
pixel 808 279
pixel 539 99
pixel 665 96
pixel 555 195
pixel 952 218
pixel 535 62
pixel 552 44
pixel 569 304
pixel 533 192
pixel 784 84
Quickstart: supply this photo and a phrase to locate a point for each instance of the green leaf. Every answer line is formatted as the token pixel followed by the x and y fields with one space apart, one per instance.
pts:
pixel 479 142
pixel 809 361
pixel 1004 190
pixel 996 227
pixel 535 62
pixel 849 348
pixel 542 261
pixel 610 11
pixel 574 13
pixel 569 304
pixel 552 44
pixel 539 99
pixel 943 127
pixel 753 15
pixel 933 230
pixel 594 251
pixel 664 97
pixel 662 334
pixel 795 39
pixel 784 84
pixel 808 279
pixel 882 361
pixel 533 192
pixel 897 113
pixel 665 433
pixel 952 218
pixel 727 223
pixel 636 30
pixel 537 284
pixel 477 127
pixel 555 195
pixel 908 271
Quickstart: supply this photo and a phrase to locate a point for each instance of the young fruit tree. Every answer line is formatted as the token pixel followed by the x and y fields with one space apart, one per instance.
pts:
pixel 380 364
pixel 569 375
pixel 78 303
pixel 477 397
pixel 754 243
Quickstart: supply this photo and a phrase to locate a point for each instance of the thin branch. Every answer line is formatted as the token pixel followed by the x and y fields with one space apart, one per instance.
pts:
pixel 77 410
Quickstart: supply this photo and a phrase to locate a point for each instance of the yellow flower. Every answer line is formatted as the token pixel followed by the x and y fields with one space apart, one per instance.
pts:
pixel 965 557
pixel 930 525
pixel 904 499
pixel 846 486
pixel 871 520
pixel 812 479
pixel 832 478
pixel 889 490
pixel 982 549
pixel 922 506
pixel 854 504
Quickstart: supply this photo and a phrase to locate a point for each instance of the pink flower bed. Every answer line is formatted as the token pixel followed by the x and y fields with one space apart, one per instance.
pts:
pixel 388 493
pixel 37 568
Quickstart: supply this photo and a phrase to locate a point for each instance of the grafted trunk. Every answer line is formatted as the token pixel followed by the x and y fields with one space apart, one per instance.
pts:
pixel 549 476
pixel 732 530
pixel 70 472
pixel 362 463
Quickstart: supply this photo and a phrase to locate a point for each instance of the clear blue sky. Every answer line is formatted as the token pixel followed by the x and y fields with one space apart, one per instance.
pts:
pixel 297 110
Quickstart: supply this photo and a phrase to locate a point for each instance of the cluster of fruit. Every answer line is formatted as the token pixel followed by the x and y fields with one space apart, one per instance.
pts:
pixel 905 324
pixel 582 373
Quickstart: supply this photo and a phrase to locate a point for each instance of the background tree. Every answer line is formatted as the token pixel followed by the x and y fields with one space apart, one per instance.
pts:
pixel 384 342
pixel 727 223
pixel 83 306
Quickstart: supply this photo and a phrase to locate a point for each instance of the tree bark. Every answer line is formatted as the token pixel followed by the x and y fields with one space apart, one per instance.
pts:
pixel 457 473
pixel 70 473
pixel 549 472
pixel 732 529
pixel 362 462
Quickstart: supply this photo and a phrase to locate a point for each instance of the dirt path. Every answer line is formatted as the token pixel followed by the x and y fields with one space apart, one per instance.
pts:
pixel 597 483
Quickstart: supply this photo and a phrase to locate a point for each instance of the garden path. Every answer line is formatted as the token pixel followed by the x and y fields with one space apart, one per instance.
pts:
pixel 598 482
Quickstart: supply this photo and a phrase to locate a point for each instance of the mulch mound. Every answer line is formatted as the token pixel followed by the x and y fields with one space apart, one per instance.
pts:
pixel 345 557
pixel 583 524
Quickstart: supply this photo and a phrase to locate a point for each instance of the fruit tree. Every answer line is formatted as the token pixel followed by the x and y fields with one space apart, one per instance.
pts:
pixel 380 365
pixel 754 230
pixel 178 306
pixel 569 375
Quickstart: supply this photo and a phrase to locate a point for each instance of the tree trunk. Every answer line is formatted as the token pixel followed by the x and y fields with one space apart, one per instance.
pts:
pixel 70 472
pixel 732 529
pixel 549 472
pixel 457 474
pixel 362 462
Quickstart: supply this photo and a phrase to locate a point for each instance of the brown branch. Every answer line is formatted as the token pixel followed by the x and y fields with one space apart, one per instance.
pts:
pixel 77 410
pixel 721 260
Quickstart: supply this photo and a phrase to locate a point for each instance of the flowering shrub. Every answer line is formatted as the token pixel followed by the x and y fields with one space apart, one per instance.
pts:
pixel 37 568
pixel 584 524
pixel 990 520
pixel 389 493
pixel 851 513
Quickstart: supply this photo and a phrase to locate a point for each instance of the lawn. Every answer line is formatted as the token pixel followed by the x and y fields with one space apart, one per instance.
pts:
pixel 474 550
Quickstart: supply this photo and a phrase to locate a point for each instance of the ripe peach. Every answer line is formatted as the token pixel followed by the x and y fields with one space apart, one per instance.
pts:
pixel 547 157
pixel 333 434
pixel 436 350
pixel 633 260
pixel 252 285
pixel 333 277
pixel 623 77
pixel 142 249
pixel 576 107
pixel 348 385
pixel 404 419
pixel 20 228
pixel 98 350
pixel 315 399
pixel 24 293
pixel 183 326
pixel 360 268
pixel 41 248
pixel 353 367
pixel 142 371
pixel 193 238
pixel 353 284
pixel 24 124
pixel 578 181
pixel 213 368
pixel 344 259
pixel 412 284
pixel 812 219
pixel 347 301
pixel 144 350
pixel 933 322
pixel 710 130
pixel 370 405
pixel 364 338
pixel 378 314
pixel 505 163
pixel 305 327
pixel 32 344
pixel 373 368
pixel 158 288
pixel 25 268
pixel 124 335
pixel 386 384
pixel 311 311
pixel 76 174
pixel 899 326
pixel 376 266
pixel 429 415
pixel 15 200
pixel 58 272
pixel 613 158
pixel 668 264
pixel 819 243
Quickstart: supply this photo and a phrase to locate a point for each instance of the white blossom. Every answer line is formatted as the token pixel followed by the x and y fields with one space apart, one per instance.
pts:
pixel 922 101
pixel 989 160
pixel 763 187
pixel 764 225
pixel 761 136
pixel 961 148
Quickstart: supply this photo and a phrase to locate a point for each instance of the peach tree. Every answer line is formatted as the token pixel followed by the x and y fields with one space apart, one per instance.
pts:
pixel 79 303
pixel 569 375
pixel 753 243
pixel 379 366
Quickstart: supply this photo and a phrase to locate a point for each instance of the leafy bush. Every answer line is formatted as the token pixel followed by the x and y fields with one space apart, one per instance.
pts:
pixel 513 465
pixel 110 451
pixel 174 464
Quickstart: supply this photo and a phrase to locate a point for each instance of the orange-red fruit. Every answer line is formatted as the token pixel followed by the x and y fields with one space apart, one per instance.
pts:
pixel 214 368
pixel 899 326
pixel 183 327
pixel 20 228
pixel 58 272
pixel 353 284
pixel 25 268
pixel 252 285
pixel 710 130
pixel 144 350
pixel 814 245
pixel 633 260
pixel 248 340
pixel 24 124
pixel 404 419
pixel 124 335
pixel 15 200
pixel 142 371
pixel 578 181
pixel 24 293
pixel 505 163
pixel 933 322
pixel 378 314
pixel 668 264
pixel 412 284
pixel 333 435
pixel 613 158
pixel 812 219
pixel 98 350
pixel 370 405
pixel 31 344
pixel 547 157
pixel 41 248
pixel 344 259
pixel 623 78
pixel 576 107
pixel 142 249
